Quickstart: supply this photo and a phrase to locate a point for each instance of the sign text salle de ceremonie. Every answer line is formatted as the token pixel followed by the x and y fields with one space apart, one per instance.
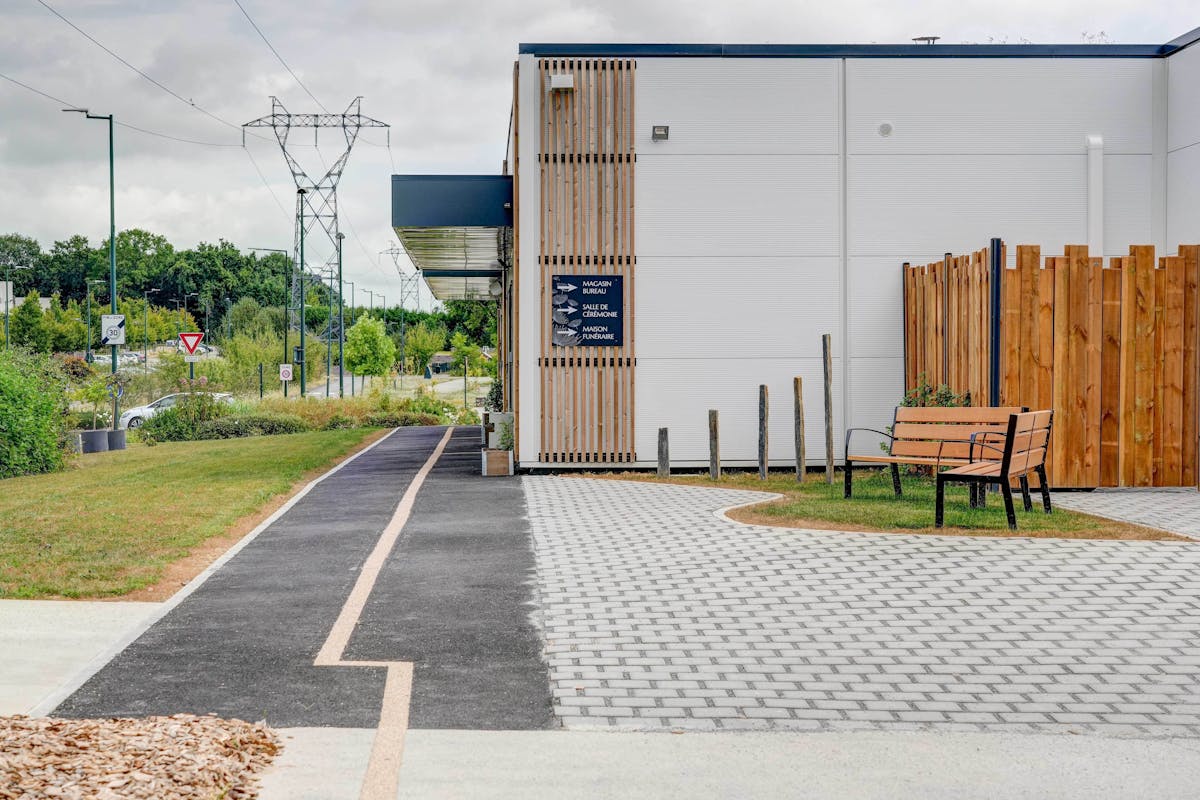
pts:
pixel 588 310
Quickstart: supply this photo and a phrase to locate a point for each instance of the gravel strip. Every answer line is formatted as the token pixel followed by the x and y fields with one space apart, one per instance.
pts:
pixel 180 757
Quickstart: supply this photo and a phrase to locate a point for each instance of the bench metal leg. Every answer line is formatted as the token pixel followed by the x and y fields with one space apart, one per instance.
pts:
pixel 978 495
pixel 896 480
pixel 1006 490
pixel 1041 473
pixel 849 476
pixel 941 501
pixel 1025 493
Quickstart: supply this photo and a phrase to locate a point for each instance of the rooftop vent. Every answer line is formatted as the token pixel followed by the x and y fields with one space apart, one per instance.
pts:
pixel 925 39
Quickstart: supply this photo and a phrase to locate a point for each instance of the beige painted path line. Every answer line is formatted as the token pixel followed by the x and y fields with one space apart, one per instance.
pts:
pixel 382 781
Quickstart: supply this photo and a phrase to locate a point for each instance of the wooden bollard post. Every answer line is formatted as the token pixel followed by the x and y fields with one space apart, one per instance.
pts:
pixel 714 446
pixel 762 432
pixel 827 357
pixel 664 454
pixel 798 401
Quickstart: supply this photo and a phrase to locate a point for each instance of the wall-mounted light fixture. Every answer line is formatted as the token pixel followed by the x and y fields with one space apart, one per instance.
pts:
pixel 660 133
pixel 562 83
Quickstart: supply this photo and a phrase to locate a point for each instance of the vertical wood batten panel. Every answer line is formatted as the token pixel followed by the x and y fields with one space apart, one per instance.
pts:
pixel 587 168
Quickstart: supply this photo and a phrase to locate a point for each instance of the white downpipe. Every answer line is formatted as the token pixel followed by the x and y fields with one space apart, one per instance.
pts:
pixel 1095 195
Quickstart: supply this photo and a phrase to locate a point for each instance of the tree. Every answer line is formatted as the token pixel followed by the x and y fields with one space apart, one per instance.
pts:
pixel 369 351
pixel 466 353
pixel 421 342
pixel 28 325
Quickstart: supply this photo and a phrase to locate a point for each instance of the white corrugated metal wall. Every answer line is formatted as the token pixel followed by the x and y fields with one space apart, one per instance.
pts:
pixel 749 249
pixel 1183 148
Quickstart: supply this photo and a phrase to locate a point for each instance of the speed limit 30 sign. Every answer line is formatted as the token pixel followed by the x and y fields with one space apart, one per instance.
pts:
pixel 285 372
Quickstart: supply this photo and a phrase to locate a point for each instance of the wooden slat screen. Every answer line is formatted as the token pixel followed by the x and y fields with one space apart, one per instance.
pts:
pixel 1114 351
pixel 587 183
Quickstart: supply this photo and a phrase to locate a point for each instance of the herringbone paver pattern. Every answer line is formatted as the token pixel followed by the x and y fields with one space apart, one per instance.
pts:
pixel 1175 510
pixel 659 614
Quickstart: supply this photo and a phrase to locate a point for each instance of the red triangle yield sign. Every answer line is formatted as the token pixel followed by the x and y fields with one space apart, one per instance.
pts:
pixel 191 341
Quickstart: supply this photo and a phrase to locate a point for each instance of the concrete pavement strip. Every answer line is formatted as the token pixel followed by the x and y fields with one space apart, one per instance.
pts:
pixel 328 764
pixel 56 641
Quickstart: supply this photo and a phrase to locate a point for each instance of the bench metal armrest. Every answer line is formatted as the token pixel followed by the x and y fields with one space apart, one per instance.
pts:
pixel 978 435
pixel 846 450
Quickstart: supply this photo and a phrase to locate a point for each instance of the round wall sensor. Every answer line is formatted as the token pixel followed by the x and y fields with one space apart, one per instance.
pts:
pixel 885 129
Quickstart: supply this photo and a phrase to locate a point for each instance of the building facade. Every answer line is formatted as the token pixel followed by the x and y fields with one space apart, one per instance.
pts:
pixel 676 225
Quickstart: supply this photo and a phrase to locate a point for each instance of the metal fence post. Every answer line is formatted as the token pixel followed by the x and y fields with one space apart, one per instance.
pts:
pixel 996 260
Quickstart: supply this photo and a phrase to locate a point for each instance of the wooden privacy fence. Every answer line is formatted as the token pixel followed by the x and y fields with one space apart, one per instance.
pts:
pixel 1113 350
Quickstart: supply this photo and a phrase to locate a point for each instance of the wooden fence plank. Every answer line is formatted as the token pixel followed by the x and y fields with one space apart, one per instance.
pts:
pixel 1110 379
pixel 1190 430
pixel 1173 377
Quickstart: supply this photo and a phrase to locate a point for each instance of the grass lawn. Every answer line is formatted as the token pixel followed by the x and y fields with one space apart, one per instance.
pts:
pixel 874 507
pixel 115 522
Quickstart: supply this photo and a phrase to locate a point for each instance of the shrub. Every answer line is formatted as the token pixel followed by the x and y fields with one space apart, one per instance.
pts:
pixel 400 419
pixel 88 420
pixel 338 422
pixel 75 368
pixel 238 425
pixel 168 425
pixel 33 409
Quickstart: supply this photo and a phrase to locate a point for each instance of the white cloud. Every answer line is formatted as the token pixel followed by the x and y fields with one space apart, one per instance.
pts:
pixel 438 71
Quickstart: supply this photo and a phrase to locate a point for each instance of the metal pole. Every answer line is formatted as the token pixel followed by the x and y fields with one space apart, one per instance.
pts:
pixel 287 323
pixel 303 303
pixel 260 380
pixel 997 265
pixel 146 320
pixel 87 354
pixel 329 339
pixel 344 335
pixel 341 322
pixel 112 251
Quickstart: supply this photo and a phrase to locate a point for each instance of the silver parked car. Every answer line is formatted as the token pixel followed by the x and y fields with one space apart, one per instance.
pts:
pixel 134 417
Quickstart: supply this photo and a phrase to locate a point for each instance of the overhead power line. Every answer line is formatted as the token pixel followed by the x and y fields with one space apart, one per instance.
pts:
pixel 186 101
pixel 267 184
pixel 267 42
pixel 126 125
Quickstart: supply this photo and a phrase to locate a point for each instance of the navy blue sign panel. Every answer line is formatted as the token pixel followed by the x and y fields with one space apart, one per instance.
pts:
pixel 588 310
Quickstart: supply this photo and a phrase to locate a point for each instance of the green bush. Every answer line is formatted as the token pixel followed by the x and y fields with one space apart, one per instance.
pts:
pixel 338 422
pixel 33 414
pixel 168 425
pixel 400 419
pixel 237 425
pixel 88 420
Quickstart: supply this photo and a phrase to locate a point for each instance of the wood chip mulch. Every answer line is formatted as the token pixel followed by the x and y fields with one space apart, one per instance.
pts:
pixel 182 757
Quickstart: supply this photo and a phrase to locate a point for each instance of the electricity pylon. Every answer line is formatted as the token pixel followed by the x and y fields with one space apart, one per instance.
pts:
pixel 320 196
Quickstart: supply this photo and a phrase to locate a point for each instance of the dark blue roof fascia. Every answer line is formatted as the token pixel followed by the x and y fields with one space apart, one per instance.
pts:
pixel 451 201
pixel 1180 42
pixel 588 50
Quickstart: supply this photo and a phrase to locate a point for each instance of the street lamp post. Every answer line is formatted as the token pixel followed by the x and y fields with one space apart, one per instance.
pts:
pixel 341 322
pixel 112 238
pixel 146 340
pixel 8 298
pixel 303 299
pixel 344 333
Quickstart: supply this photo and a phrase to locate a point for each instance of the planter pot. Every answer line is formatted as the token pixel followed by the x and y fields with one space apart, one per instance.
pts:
pixel 497 422
pixel 75 441
pixel 93 441
pixel 497 462
pixel 116 439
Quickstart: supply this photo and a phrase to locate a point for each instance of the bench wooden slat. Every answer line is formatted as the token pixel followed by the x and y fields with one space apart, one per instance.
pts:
pixel 929 430
pixel 970 414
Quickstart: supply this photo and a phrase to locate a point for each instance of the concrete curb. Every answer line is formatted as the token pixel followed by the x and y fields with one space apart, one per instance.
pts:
pixel 77 681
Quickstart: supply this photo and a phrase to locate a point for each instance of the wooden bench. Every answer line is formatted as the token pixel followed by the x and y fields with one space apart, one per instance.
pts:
pixel 1021 452
pixel 930 436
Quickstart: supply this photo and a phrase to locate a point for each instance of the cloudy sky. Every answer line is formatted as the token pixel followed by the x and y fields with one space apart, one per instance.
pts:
pixel 438 71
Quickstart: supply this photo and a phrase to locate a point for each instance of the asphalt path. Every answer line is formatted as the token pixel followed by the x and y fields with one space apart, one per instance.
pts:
pixel 242 645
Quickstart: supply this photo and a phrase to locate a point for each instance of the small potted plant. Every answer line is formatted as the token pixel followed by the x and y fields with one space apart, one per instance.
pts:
pixel 498 456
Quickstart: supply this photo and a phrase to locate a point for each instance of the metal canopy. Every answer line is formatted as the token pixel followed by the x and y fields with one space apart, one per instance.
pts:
pixel 456 229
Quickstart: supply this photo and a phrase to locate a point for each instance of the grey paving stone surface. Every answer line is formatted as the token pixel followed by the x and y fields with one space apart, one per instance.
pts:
pixel 1175 510
pixel 659 614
